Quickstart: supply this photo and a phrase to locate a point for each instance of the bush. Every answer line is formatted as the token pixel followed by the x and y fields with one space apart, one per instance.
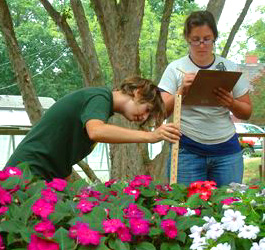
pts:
pixel 132 215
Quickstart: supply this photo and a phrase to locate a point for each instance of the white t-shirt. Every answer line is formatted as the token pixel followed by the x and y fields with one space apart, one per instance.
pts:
pixel 203 124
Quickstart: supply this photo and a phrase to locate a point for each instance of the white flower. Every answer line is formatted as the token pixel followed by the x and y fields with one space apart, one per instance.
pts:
pixel 215 231
pixel 199 244
pixel 195 232
pixel 210 221
pixel 248 232
pixel 190 212
pixel 222 246
pixel 233 220
pixel 260 246
pixel 263 219
pixel 226 207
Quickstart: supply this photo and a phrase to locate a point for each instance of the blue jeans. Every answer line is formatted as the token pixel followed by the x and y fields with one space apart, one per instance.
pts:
pixel 221 169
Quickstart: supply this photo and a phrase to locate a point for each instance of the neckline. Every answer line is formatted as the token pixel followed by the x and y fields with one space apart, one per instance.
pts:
pixel 203 67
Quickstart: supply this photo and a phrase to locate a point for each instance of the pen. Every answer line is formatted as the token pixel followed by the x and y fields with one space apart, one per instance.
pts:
pixel 182 71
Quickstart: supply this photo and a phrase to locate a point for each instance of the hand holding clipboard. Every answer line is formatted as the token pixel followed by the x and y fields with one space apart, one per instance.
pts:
pixel 201 92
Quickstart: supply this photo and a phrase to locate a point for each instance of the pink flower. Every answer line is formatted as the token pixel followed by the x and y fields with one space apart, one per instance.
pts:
pixel 84 234
pixel 2 247
pixel 11 171
pixel 179 210
pixel 110 182
pixel 85 206
pixel 169 227
pixel 131 191
pixel 161 209
pixel 57 184
pixel 198 211
pixel 49 195
pixel 124 234
pixel 42 208
pixel 230 200
pixel 5 197
pixel 79 226
pixel 45 227
pixel 133 212
pixel 3 210
pixel 141 180
pixel 112 225
pixel 139 226
pixel 3 175
pixel 37 243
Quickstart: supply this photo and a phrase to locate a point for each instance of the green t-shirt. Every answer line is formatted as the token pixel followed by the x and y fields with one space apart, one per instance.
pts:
pixel 59 140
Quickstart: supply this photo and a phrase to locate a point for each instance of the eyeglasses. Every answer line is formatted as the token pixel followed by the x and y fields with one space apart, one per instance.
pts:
pixel 199 42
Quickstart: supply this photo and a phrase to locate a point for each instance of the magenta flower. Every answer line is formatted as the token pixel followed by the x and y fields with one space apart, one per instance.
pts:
pixel 42 208
pixel 84 235
pixel 133 212
pixel 131 191
pixel 13 171
pixel 49 195
pixel 3 175
pixel 37 243
pixel 5 197
pixel 85 206
pixel 139 226
pixel 141 180
pixel 110 182
pixel 79 226
pixel 179 210
pixel 124 234
pixel 57 184
pixel 169 227
pixel 112 225
pixel 46 228
pixel 198 211
pixel 2 247
pixel 229 201
pixel 3 210
pixel 161 209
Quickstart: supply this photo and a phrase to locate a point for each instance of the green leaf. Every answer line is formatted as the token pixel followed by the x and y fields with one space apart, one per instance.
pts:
pixel 167 202
pixel 11 226
pixel 170 246
pixel 186 222
pixel 61 236
pixel 27 175
pixel 148 193
pixel 170 215
pixel 145 246
pixel 154 231
pixel 195 201
pixel 117 244
pixel 181 236
pixel 11 182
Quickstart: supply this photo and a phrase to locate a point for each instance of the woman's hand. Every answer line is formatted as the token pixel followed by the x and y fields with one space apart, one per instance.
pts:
pixel 168 132
pixel 224 98
pixel 186 83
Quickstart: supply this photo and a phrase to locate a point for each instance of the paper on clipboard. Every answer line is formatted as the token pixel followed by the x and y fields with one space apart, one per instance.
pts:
pixel 201 90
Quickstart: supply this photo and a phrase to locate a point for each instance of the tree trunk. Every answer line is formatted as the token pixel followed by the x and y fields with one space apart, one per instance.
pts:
pixel 235 28
pixel 161 57
pixel 31 102
pixel 60 20
pixel 121 26
pixel 88 48
pixel 216 8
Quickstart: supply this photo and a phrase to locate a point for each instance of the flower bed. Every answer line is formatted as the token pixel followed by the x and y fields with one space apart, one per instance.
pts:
pixel 138 214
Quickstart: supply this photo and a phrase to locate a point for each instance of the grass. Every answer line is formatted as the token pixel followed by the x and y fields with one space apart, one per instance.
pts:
pixel 251 170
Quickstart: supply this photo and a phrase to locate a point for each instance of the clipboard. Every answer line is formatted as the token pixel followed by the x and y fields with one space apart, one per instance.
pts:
pixel 201 90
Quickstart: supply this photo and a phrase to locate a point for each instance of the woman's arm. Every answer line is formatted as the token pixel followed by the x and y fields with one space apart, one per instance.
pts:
pixel 240 107
pixel 101 132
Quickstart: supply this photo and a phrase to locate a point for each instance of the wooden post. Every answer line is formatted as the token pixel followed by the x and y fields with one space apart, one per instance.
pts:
pixel 175 146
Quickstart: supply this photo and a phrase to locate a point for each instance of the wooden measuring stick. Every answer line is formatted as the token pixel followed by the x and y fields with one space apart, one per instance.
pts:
pixel 175 146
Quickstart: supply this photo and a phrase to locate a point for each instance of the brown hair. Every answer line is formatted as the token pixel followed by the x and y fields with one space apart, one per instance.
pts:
pixel 148 93
pixel 199 18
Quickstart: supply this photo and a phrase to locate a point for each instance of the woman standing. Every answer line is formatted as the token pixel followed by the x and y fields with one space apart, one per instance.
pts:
pixel 209 147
